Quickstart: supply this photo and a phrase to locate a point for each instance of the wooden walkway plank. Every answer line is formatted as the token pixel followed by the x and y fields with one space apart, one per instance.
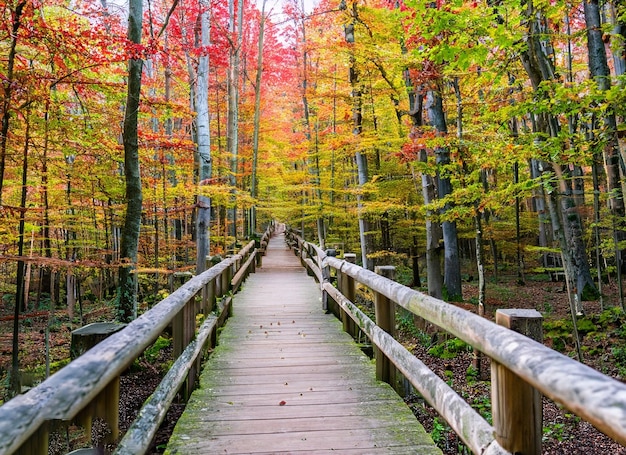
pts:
pixel 286 379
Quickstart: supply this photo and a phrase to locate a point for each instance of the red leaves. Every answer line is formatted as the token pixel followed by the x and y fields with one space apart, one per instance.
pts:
pixel 420 139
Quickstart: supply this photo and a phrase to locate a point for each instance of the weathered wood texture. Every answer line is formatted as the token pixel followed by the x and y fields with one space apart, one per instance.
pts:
pixel 473 430
pixel 85 389
pixel 597 398
pixel 285 378
pixel 137 439
pixel 516 405
pixel 88 336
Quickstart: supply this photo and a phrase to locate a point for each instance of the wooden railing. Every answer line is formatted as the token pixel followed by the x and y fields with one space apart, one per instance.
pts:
pixel 88 387
pixel 522 369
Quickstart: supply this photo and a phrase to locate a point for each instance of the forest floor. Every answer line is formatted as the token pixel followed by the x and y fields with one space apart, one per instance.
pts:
pixel 603 348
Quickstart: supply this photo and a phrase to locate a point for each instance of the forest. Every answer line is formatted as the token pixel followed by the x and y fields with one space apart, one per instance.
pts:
pixel 469 143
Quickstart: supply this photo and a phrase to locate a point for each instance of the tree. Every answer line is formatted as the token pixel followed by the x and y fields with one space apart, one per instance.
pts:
pixel 203 140
pixel 360 155
pixel 127 294
pixel 16 11
pixel 257 120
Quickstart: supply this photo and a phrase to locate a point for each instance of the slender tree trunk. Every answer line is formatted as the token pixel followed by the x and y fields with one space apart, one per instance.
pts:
pixel 203 142
pixel 257 120
pixel 28 273
pixel 8 90
pixel 434 251
pixel 582 281
pixel 614 9
pixel 321 231
pixel 45 272
pixel 312 161
pixel 599 69
pixel 127 296
pixel 360 157
pixel 539 205
pixel 596 227
pixel 14 376
pixel 518 240
pixel 235 29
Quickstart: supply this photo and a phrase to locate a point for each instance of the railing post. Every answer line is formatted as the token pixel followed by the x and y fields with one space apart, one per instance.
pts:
pixel 326 278
pixel 183 327
pixel 208 297
pixel 224 282
pixel 347 288
pixel 106 407
pixel 516 405
pixel 385 310
pixel 38 442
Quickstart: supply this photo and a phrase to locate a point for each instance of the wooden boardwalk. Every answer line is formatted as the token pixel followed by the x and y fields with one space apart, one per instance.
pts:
pixel 286 379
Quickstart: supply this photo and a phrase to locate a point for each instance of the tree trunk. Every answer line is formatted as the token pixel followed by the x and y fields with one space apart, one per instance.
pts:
pixel 452 264
pixel 618 35
pixel 8 90
pixel 539 205
pixel 257 119
pixel 433 238
pixel 15 385
pixel 596 227
pixel 203 142
pixel 357 129
pixel 434 277
pixel 127 294
pixel 518 239
pixel 580 276
pixel 235 29
pixel 599 70
pixel 312 161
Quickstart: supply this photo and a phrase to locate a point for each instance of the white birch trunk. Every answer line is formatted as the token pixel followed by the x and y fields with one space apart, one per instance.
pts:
pixel 203 142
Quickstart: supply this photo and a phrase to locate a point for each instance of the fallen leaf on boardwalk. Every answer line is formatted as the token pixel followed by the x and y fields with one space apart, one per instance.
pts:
pixel 282 403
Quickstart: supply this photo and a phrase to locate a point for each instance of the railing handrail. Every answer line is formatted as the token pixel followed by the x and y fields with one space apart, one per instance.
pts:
pixel 593 396
pixel 64 394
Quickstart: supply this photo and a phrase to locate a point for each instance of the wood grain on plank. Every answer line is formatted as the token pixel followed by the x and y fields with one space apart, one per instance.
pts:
pixel 285 378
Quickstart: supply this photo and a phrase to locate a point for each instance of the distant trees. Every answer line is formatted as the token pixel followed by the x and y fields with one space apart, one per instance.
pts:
pixel 519 76
pixel 464 110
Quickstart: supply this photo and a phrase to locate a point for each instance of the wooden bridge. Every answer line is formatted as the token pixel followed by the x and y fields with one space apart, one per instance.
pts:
pixel 286 376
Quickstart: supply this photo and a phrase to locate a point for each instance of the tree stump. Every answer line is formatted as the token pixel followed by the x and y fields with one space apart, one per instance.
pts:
pixel 88 336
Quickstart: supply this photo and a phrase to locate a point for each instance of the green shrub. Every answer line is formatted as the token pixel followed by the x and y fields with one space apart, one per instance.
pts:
pixel 449 349
pixel 585 326
pixel 611 315
pixel 152 353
